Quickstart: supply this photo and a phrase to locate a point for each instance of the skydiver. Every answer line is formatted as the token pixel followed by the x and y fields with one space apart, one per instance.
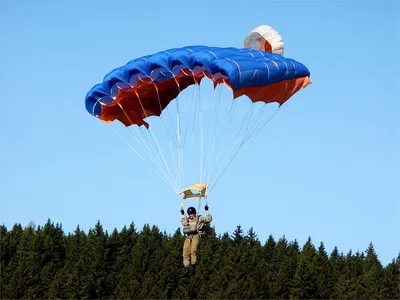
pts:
pixel 192 228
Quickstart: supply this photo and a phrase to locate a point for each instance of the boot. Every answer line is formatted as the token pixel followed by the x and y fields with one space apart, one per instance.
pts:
pixel 192 270
pixel 186 271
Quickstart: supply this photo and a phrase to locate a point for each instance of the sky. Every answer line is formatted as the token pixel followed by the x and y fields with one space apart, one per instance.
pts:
pixel 326 167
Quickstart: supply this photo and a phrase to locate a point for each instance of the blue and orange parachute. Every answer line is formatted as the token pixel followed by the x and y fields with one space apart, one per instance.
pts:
pixel 145 86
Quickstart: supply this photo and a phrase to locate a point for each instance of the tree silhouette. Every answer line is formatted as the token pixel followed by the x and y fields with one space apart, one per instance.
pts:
pixel 44 262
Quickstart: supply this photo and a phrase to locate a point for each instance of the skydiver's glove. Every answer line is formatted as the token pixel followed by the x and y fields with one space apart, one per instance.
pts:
pixel 182 211
pixel 206 207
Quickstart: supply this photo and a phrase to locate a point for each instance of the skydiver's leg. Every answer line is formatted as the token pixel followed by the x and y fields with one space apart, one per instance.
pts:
pixel 186 252
pixel 194 246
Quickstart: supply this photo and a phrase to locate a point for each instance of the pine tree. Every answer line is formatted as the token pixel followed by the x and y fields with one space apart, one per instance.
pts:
pixel 114 246
pixel 25 279
pixel 152 284
pixel 172 267
pixel 372 275
pixel 291 262
pixel 57 286
pixel 266 268
pixel 238 235
pixel 12 240
pixel 243 274
pixel 306 277
pixel 121 245
pixel 336 261
pixel 145 263
pixel 4 258
pixel 390 280
pixel 76 266
pixel 280 281
pixel 252 267
pixel 251 237
pixel 348 285
pixel 4 246
pixel 96 253
pixel 51 246
pixel 324 271
pixel 239 267
pixel 206 266
pixel 224 266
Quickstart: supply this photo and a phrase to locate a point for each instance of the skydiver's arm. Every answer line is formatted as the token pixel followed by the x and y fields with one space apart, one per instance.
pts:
pixel 183 220
pixel 207 218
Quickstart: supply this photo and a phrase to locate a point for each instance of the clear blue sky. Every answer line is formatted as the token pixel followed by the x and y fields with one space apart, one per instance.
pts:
pixel 326 167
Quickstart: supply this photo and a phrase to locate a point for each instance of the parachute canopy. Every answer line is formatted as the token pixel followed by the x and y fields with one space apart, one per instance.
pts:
pixel 199 143
pixel 145 86
pixel 265 38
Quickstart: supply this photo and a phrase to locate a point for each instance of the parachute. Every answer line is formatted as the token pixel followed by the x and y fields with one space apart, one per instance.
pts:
pixel 145 86
pixel 265 38
pixel 144 93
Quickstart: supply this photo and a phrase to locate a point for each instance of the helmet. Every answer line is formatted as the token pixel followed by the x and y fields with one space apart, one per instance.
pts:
pixel 191 210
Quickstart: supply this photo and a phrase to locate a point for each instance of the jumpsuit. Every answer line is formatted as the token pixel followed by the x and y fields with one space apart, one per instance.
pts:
pixel 191 229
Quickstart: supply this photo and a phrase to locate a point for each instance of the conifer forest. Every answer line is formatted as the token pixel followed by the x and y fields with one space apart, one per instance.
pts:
pixel 44 262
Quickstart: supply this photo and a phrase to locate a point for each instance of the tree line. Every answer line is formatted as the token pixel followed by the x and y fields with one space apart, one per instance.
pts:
pixel 44 262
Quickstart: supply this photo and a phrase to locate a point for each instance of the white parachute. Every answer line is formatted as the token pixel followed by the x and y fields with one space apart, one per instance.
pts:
pixel 265 38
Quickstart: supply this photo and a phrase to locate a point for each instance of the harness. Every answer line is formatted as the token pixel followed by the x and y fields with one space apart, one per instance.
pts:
pixel 194 227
